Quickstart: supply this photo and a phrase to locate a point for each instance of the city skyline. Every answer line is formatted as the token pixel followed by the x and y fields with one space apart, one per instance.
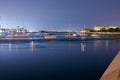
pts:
pixel 59 14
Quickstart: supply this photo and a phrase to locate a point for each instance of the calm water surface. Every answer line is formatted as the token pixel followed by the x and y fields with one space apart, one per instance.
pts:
pixel 56 60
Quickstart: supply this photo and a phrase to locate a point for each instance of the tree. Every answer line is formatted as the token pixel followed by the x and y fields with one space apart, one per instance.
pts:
pixel 117 30
pixel 111 30
pixel 103 30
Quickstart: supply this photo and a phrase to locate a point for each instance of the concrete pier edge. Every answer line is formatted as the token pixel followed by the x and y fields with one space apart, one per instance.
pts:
pixel 113 70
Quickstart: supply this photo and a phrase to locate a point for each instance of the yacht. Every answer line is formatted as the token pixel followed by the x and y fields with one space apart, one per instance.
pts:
pixel 94 35
pixel 17 36
pixel 1 36
pixel 70 35
pixel 49 36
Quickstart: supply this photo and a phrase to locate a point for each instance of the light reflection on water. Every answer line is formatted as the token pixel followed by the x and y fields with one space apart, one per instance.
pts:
pixel 107 43
pixel 63 59
pixel 32 46
pixel 83 46
pixel 53 45
pixel 10 45
pixel 23 46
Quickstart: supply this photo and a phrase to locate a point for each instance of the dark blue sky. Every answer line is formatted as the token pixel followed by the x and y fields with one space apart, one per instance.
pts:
pixel 59 14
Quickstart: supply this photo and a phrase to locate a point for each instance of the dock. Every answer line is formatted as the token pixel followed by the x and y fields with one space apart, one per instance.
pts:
pixel 113 70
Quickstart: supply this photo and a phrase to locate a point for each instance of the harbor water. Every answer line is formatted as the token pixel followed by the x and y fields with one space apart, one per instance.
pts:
pixel 56 59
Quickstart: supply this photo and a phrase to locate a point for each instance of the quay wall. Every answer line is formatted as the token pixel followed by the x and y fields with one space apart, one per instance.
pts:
pixel 113 70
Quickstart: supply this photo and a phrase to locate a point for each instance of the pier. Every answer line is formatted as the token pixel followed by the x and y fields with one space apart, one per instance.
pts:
pixel 113 70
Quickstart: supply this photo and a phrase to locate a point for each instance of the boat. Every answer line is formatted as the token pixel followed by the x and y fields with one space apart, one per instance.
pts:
pixel 49 36
pixel 94 35
pixel 83 34
pixel 70 35
pixel 18 36
pixel 1 36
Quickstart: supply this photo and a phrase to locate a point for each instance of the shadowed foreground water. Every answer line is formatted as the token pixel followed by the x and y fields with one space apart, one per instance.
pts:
pixel 56 60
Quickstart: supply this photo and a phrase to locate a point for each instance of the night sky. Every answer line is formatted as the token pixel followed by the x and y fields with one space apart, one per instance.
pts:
pixel 59 14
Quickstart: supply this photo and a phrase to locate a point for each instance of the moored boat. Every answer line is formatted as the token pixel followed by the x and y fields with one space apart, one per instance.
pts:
pixel 49 37
pixel 94 35
pixel 2 36
pixel 17 36
pixel 70 35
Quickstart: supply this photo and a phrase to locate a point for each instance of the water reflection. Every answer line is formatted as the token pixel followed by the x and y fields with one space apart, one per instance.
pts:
pixel 19 46
pixel 0 46
pixel 69 46
pixel 83 46
pixel 16 48
pixel 107 43
pixel 32 46
pixel 10 46
pixel 97 44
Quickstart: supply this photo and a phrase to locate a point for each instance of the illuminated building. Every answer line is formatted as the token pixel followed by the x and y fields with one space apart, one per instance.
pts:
pixel 98 28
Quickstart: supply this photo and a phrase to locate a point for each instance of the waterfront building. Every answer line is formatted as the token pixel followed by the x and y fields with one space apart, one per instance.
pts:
pixel 98 28
pixel 85 30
